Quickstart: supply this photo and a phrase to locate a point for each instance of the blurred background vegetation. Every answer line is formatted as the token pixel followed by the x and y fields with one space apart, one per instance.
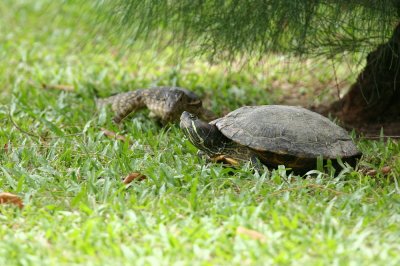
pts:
pixel 258 27
pixel 40 35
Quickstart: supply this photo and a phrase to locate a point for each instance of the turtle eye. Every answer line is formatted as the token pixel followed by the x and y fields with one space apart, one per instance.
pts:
pixel 192 116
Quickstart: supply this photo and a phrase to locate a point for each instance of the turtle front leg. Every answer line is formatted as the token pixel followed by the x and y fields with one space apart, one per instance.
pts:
pixel 203 155
pixel 255 162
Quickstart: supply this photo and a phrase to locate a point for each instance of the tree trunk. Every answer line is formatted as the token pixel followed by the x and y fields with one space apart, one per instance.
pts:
pixel 373 101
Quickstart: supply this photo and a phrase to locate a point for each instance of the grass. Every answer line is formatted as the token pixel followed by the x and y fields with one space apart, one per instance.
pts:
pixel 187 212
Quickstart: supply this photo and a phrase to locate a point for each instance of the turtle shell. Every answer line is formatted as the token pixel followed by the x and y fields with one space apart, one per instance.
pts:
pixel 287 130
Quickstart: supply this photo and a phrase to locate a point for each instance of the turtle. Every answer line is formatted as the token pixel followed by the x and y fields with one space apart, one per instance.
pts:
pixel 165 103
pixel 272 135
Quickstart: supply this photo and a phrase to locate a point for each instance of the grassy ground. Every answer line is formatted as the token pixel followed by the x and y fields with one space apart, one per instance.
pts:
pixel 77 211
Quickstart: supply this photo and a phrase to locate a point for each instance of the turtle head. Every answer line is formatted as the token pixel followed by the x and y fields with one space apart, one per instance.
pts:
pixel 204 136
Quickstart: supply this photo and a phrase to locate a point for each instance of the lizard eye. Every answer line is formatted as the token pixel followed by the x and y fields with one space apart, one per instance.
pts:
pixel 195 103
pixel 192 116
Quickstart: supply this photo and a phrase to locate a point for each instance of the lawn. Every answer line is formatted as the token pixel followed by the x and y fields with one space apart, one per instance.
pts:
pixel 55 156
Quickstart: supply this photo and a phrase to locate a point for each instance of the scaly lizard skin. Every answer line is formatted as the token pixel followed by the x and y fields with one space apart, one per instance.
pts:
pixel 164 103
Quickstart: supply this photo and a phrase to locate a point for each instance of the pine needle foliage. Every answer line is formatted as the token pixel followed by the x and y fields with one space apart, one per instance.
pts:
pixel 218 27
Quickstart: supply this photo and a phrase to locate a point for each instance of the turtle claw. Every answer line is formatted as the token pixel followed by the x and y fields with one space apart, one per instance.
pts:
pixel 226 160
pixel 218 159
